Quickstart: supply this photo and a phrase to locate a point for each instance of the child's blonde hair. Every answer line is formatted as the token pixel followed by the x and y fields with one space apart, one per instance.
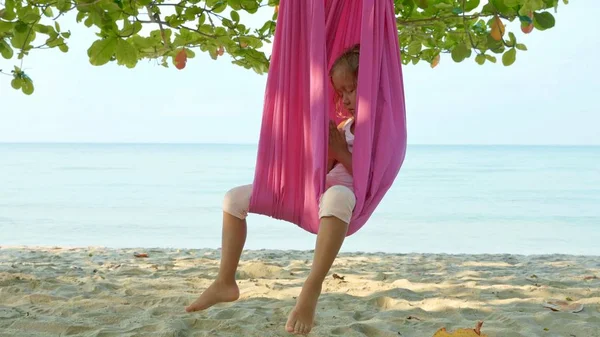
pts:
pixel 349 59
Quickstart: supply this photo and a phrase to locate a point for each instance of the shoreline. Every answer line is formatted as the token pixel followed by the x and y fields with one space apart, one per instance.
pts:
pixel 251 250
pixel 98 291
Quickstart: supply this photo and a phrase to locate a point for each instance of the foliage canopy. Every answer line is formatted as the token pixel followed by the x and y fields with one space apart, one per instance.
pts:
pixel 174 30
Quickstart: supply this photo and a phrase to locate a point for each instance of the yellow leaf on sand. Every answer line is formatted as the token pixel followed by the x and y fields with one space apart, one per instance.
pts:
pixel 461 332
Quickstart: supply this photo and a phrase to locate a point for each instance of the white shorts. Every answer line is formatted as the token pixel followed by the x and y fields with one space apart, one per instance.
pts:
pixel 337 201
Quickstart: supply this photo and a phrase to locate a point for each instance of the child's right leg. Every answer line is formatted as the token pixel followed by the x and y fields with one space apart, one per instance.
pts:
pixel 224 288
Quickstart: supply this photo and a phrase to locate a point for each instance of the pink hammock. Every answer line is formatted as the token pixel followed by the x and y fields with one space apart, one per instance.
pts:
pixel 299 101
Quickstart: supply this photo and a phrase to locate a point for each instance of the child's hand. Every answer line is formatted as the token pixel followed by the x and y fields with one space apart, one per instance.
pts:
pixel 337 141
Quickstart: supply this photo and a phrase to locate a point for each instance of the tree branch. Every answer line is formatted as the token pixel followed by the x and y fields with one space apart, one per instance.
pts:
pixel 468 28
pixel 26 38
pixel 441 18
pixel 177 27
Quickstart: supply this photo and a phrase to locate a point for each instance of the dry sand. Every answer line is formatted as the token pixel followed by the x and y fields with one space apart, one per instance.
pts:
pixel 109 292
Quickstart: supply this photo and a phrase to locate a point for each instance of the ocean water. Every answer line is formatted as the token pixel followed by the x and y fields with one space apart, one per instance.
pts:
pixel 446 199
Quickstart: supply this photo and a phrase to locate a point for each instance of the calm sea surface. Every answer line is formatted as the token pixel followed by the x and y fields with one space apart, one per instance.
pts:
pixel 450 199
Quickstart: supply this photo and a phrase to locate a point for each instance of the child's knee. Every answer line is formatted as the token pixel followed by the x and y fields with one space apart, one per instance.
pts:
pixel 237 201
pixel 337 201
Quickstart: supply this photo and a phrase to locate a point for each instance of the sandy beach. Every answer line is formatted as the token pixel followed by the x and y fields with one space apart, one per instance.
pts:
pixel 96 291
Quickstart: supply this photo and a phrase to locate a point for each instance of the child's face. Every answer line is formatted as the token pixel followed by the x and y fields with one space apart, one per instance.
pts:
pixel 345 85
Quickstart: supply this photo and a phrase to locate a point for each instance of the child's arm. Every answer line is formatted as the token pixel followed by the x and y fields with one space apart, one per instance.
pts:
pixel 330 155
pixel 345 158
pixel 339 152
pixel 330 162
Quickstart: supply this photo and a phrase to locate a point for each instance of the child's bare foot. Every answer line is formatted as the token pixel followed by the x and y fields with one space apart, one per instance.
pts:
pixel 300 320
pixel 217 292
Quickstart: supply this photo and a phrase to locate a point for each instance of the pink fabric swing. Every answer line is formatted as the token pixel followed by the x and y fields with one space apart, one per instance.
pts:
pixel 299 101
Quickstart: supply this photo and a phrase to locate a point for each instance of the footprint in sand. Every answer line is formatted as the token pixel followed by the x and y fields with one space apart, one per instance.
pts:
pixel 383 302
pixel 78 329
pixel 504 321
pixel 8 313
pixel 259 270
pixel 363 315
pixel 370 331
pixel 471 314
pixel 237 314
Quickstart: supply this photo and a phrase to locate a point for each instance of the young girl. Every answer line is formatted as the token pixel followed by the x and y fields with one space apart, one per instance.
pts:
pixel 335 210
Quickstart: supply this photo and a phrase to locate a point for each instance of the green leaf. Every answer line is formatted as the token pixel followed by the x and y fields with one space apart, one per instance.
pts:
pixel 227 23
pixel 471 5
pixel 235 4
pixel 130 28
pixel 23 36
pixel 266 28
pixel 102 51
pixel 220 7
pixel 414 47
pixel 512 39
pixel 511 3
pixel 509 57
pixel 27 86
pixel 80 16
pixel 30 17
pixel 499 5
pixel 442 6
pixel 543 20
pixel 235 16
pixel 491 58
pixel 54 41
pixel 9 12
pixel 21 27
pixel 480 59
pixel 6 26
pixel 16 83
pixel 250 6
pixel 48 12
pixel 57 26
pixel 43 29
pixel 521 46
pixel 63 5
pixel 460 52
pixel 206 29
pixel 189 53
pixel 142 43
pixel 5 50
pixel 126 54
pixel 28 14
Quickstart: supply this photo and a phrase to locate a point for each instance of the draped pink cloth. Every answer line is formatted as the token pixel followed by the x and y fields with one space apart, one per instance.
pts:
pixel 299 102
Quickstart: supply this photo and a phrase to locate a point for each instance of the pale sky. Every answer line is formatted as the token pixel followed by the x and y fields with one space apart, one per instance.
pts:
pixel 547 97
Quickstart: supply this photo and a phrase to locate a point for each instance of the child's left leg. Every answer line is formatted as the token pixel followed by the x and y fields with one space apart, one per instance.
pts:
pixel 336 208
